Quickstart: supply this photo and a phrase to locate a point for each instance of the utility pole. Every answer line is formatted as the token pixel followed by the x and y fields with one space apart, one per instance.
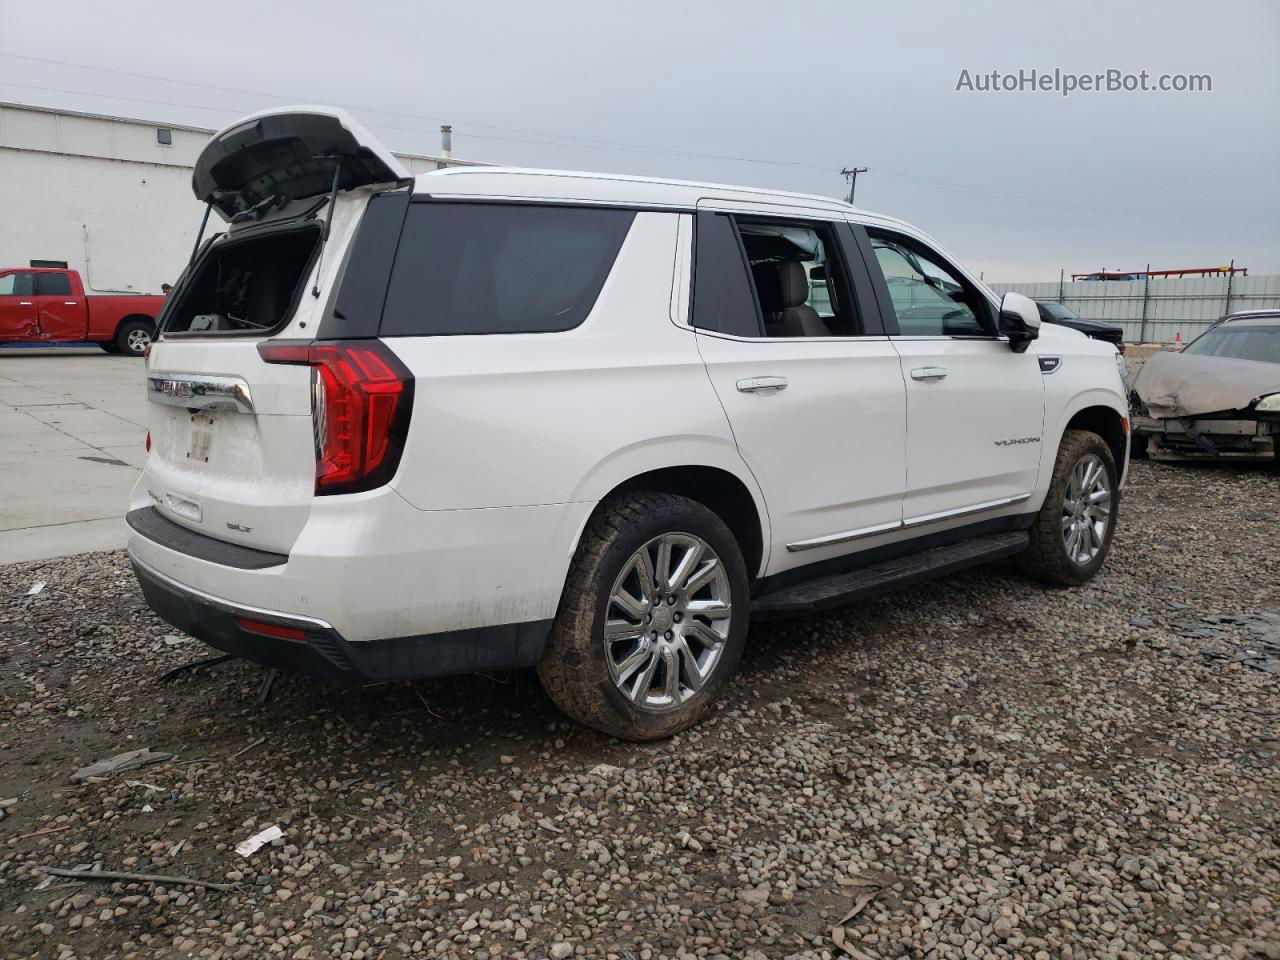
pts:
pixel 853 178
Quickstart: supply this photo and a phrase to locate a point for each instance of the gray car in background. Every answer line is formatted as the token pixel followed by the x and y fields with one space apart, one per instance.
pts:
pixel 1217 399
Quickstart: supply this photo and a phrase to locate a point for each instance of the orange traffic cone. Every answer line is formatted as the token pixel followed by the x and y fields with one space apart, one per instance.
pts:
pixel 1177 340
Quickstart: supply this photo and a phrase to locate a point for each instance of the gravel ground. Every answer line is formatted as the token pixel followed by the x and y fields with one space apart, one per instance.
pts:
pixel 989 767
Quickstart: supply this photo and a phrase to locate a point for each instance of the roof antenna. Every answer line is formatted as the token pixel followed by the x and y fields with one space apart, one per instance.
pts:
pixel 324 233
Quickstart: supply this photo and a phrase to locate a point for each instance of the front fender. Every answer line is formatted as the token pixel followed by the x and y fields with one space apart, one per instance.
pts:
pixel 1058 416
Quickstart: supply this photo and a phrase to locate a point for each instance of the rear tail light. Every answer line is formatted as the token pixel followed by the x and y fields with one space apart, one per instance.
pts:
pixel 361 400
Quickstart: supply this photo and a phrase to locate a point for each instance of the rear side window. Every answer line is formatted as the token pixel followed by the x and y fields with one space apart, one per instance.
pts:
pixel 53 284
pixel 472 268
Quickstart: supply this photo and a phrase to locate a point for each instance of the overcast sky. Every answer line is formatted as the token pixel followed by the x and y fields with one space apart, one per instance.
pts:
pixel 1017 184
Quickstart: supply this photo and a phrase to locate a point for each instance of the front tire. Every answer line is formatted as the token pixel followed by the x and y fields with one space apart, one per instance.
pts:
pixel 133 338
pixel 1072 533
pixel 653 618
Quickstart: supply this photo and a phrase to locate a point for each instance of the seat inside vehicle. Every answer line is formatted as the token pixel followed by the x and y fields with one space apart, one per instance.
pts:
pixel 789 264
pixel 784 289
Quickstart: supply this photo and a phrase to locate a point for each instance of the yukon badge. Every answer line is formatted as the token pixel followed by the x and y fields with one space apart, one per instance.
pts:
pixel 1016 440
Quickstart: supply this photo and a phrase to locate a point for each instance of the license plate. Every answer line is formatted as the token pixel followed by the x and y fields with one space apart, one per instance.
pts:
pixel 201 438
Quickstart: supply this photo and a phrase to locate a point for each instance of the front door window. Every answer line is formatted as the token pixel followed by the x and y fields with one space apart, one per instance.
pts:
pixel 927 299
pixel 18 285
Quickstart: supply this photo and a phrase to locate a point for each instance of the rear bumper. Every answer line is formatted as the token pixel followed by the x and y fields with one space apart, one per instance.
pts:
pixel 377 588
pixel 372 566
pixel 315 648
pixel 149 523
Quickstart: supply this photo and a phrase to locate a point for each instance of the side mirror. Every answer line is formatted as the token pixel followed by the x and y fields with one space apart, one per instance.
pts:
pixel 1019 320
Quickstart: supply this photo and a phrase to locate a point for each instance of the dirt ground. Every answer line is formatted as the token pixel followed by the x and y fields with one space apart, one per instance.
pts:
pixel 992 768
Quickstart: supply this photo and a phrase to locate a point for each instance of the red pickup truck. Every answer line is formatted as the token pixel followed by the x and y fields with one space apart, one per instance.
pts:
pixel 41 305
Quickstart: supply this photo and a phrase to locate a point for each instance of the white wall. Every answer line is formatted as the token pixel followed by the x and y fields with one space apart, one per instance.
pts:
pixel 133 222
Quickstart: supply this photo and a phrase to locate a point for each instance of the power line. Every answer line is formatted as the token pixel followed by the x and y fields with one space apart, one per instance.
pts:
pixel 602 145
pixel 621 145
pixel 560 140
pixel 930 182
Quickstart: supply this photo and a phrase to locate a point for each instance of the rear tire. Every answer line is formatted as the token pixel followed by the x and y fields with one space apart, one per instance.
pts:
pixel 1072 533
pixel 693 615
pixel 133 337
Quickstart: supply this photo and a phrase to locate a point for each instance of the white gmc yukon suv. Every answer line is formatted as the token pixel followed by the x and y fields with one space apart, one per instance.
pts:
pixel 485 418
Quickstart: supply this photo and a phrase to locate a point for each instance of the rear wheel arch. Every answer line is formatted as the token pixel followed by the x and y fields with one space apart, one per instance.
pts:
pixel 136 318
pixel 717 489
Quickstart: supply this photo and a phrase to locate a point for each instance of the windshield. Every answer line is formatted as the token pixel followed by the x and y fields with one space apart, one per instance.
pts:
pixel 1056 311
pixel 1239 343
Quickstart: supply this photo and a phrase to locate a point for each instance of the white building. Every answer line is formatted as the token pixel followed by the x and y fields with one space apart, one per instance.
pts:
pixel 108 196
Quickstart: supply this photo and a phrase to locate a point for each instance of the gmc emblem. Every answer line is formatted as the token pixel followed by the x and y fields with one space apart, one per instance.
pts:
pixel 173 388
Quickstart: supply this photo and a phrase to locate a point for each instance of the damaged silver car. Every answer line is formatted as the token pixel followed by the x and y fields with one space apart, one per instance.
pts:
pixel 1219 398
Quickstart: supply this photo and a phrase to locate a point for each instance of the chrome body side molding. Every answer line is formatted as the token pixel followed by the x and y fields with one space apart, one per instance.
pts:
pixel 832 539
pixel 964 511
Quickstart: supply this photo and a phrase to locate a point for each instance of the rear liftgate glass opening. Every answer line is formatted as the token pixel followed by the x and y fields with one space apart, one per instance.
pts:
pixel 361 400
pixel 246 286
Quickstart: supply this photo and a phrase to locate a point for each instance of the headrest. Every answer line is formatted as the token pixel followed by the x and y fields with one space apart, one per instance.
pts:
pixel 781 285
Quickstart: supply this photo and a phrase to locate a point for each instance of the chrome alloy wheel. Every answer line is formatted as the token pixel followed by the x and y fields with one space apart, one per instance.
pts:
pixel 1086 510
pixel 137 340
pixel 667 621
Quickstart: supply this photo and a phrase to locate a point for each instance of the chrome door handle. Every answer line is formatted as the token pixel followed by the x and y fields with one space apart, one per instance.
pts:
pixel 762 384
pixel 929 373
pixel 25 303
pixel 68 303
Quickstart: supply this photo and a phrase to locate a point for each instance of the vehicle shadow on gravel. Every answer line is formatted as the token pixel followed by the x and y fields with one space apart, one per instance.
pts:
pixel 484 711
pixel 213 711
pixel 375 716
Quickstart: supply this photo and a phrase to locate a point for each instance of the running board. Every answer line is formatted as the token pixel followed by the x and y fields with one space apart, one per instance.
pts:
pixel 886 577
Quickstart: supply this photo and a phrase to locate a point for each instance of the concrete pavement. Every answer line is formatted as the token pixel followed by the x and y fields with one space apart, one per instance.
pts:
pixel 72 434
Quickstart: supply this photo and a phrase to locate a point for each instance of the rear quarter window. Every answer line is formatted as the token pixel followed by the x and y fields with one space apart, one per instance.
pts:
pixel 477 268
pixel 722 297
